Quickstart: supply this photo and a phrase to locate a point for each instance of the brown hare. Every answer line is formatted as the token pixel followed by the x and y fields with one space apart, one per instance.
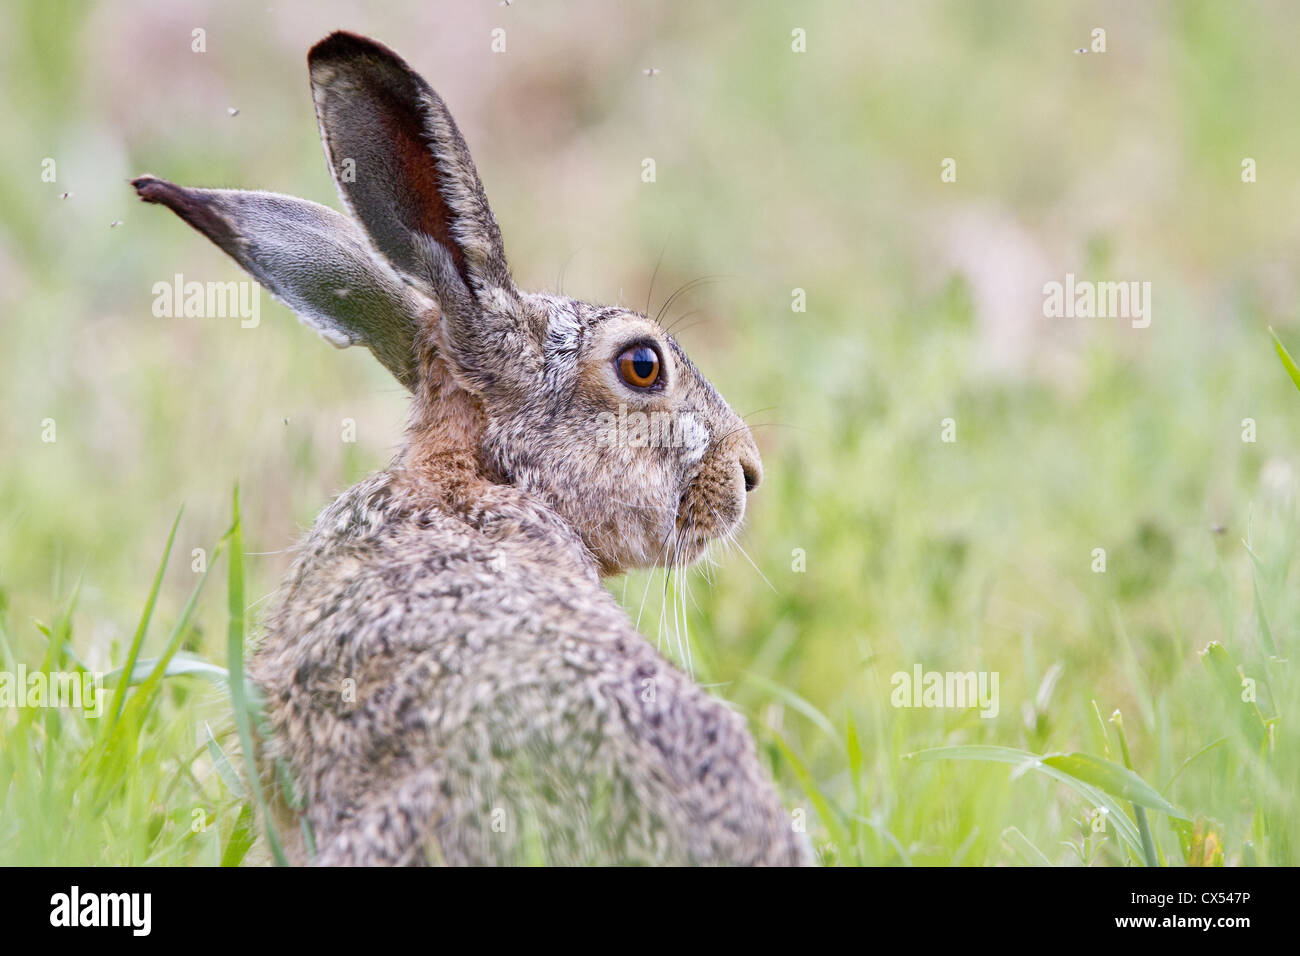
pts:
pixel 445 676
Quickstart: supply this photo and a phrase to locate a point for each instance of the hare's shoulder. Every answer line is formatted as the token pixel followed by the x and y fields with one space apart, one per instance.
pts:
pixel 385 585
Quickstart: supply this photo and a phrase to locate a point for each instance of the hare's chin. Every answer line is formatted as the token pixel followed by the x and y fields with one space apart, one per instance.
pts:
pixel 697 527
pixel 689 548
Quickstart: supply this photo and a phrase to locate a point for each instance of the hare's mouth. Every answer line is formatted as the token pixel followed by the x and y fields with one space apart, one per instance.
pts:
pixel 711 508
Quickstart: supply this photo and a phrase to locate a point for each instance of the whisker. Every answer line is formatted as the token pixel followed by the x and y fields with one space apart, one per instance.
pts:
pixel 692 598
pixel 731 539
pixel 663 604
pixel 718 441
pixel 260 600
pixel 693 284
pixel 741 549
pixel 683 317
pixel 683 590
pixel 650 579
pixel 687 328
pixel 654 275
pixel 564 267
pixel 684 634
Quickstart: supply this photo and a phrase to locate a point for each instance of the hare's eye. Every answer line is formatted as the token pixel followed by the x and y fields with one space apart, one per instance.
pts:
pixel 639 366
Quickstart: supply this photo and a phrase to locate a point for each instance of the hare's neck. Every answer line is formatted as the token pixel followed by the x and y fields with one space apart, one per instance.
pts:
pixel 445 437
pixel 443 468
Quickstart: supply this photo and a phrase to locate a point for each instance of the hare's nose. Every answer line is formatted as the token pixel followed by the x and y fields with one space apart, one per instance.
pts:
pixel 751 469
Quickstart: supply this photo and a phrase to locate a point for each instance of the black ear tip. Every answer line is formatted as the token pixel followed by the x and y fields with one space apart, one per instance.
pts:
pixel 152 189
pixel 342 45
pixel 155 190
pixel 195 206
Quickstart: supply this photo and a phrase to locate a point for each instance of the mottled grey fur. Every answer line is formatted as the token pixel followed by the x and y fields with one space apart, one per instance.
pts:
pixel 445 676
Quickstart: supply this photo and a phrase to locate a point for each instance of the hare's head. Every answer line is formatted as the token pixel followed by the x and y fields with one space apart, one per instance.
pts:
pixel 595 410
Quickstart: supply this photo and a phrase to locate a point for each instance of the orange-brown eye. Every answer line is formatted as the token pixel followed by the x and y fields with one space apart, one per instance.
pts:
pixel 639 366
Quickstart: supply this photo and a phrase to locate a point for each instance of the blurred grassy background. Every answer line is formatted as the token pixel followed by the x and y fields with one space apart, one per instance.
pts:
pixel 818 171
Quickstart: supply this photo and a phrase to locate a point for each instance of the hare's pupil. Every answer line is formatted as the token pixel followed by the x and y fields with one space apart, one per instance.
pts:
pixel 643 362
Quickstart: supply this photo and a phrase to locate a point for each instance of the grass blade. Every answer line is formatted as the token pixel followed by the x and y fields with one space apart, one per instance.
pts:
pixel 163 666
pixel 225 769
pixel 819 719
pixel 182 665
pixel 1230 680
pixel 1024 760
pixel 241 837
pixel 1114 779
pixel 1025 847
pixel 1144 828
pixel 825 810
pixel 119 693
pixel 1257 571
pixel 1288 362
pixel 1192 759
pixel 235 669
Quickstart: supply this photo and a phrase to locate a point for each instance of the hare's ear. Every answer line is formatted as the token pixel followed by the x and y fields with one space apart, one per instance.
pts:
pixel 405 173
pixel 312 258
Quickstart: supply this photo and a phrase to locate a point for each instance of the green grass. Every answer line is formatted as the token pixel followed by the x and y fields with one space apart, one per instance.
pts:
pixel 126 785
pixel 93 775
pixel 818 172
